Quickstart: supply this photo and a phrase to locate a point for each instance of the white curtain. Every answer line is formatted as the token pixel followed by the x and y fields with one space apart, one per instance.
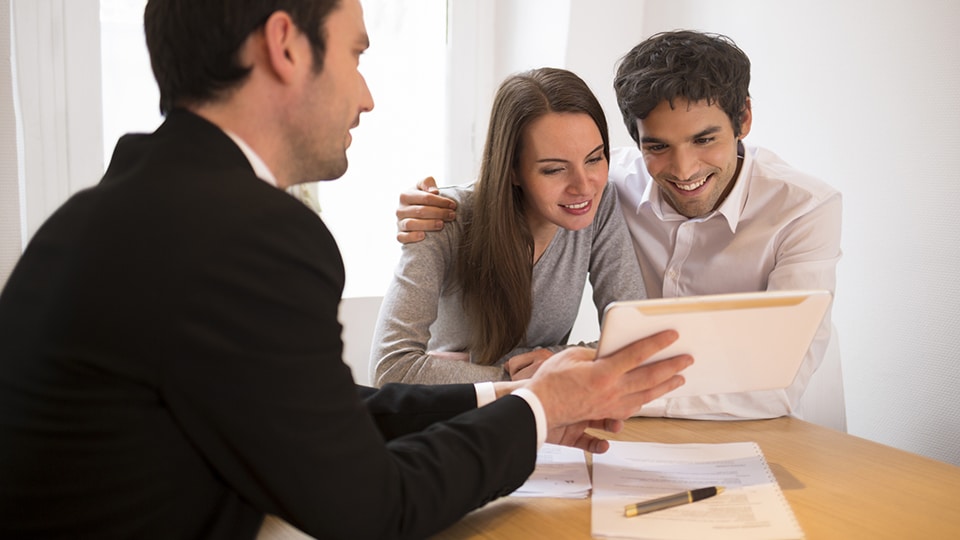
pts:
pixel 10 225
pixel 55 84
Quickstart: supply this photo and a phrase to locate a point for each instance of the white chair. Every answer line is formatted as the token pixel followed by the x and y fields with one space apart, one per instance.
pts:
pixel 359 317
pixel 823 401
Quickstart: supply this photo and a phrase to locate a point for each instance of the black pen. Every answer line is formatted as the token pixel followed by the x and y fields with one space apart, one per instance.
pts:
pixel 670 501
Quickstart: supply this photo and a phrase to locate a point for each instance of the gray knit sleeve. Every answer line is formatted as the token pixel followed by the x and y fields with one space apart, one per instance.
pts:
pixel 419 312
pixel 614 270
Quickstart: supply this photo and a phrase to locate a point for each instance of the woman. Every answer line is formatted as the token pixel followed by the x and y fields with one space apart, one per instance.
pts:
pixel 506 278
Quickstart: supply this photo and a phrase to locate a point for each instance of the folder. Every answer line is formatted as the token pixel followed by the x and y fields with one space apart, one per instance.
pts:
pixel 740 342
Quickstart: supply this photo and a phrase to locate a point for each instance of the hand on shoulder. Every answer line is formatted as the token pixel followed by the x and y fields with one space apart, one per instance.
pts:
pixel 423 209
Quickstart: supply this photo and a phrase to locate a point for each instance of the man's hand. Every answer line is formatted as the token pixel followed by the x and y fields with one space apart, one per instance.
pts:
pixel 523 366
pixel 578 390
pixel 423 209
pixel 575 436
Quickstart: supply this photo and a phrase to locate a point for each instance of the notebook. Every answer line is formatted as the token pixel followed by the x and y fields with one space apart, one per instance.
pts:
pixel 740 342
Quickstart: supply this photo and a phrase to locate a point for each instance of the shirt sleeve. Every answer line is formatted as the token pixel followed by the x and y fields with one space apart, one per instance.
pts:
pixel 485 393
pixel 809 251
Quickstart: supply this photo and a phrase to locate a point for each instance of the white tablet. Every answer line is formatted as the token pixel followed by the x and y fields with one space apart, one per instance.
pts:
pixel 740 342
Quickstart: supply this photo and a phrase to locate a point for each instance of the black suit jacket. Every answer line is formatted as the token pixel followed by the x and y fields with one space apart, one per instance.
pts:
pixel 170 367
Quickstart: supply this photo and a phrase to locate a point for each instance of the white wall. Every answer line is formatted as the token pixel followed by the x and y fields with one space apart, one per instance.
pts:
pixel 490 40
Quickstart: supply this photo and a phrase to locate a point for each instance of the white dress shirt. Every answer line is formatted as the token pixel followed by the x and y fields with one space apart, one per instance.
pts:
pixel 778 229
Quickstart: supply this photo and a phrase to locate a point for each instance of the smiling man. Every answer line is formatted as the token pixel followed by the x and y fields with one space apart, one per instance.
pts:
pixel 707 214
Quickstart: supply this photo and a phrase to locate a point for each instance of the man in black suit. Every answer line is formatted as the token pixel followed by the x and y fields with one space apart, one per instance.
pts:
pixel 169 344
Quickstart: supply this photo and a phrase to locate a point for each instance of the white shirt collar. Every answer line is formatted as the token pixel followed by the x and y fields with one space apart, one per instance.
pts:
pixel 259 167
pixel 732 207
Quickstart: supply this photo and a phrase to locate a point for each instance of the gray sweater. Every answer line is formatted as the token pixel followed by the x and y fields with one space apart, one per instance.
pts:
pixel 422 315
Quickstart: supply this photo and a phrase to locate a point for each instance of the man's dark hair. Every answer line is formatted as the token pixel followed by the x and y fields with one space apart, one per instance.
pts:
pixel 194 44
pixel 695 66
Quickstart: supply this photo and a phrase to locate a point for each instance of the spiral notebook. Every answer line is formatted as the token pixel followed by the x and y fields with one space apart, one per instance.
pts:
pixel 752 506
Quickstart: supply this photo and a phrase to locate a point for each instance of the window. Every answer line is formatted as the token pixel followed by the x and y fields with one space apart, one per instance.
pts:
pixel 397 144
pixel 130 96
pixel 401 141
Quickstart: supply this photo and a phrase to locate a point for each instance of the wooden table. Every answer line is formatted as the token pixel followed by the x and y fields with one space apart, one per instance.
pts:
pixel 839 486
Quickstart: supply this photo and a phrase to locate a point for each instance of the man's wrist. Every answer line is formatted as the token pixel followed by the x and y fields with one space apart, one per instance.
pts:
pixel 490 391
pixel 503 388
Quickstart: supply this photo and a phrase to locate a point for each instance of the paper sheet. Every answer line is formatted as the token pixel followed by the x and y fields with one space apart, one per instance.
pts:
pixel 561 472
pixel 752 507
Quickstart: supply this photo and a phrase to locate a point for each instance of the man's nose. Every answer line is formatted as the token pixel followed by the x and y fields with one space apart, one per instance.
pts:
pixel 684 164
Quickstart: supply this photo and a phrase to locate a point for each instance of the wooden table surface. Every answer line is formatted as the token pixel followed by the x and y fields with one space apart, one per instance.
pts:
pixel 839 486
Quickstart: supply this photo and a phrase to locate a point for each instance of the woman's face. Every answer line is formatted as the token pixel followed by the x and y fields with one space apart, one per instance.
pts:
pixel 562 171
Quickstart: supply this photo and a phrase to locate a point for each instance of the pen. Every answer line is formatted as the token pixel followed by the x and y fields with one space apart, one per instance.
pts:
pixel 670 501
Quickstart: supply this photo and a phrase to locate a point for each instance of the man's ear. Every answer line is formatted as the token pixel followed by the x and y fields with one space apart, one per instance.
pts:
pixel 281 36
pixel 747 120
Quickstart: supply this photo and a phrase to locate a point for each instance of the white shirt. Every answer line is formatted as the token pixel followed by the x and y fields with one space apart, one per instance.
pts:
pixel 778 229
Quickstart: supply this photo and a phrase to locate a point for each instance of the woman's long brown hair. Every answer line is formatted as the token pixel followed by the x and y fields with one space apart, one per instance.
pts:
pixel 494 266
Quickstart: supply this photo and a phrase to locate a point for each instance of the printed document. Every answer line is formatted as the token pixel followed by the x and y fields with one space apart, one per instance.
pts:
pixel 752 507
pixel 561 472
